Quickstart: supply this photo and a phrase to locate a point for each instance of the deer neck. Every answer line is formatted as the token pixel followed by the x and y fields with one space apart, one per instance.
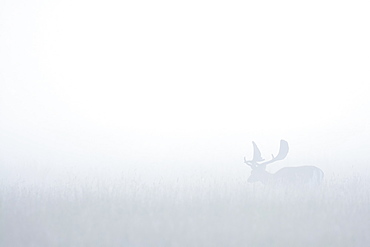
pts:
pixel 266 177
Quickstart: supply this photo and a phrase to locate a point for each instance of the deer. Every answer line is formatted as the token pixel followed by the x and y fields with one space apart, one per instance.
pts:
pixel 302 175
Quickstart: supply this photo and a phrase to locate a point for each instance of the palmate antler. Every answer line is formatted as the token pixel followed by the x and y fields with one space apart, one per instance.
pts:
pixel 254 163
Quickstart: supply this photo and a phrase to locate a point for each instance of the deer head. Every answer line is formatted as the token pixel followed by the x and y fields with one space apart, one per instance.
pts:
pixel 258 164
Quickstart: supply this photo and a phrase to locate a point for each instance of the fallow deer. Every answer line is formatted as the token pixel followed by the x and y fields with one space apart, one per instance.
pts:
pixel 301 175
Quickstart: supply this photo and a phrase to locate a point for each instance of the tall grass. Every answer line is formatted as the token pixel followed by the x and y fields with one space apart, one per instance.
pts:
pixel 200 212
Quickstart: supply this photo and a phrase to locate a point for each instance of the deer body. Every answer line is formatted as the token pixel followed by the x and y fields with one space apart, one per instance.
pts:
pixel 294 176
pixel 301 175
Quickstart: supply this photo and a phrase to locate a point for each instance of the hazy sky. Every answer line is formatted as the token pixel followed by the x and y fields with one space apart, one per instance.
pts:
pixel 158 79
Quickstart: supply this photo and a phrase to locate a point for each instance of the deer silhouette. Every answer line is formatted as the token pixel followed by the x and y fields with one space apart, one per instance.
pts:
pixel 301 175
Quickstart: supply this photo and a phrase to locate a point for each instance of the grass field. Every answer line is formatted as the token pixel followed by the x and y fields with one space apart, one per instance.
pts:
pixel 218 211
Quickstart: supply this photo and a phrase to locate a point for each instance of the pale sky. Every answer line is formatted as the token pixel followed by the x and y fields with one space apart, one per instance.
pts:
pixel 184 71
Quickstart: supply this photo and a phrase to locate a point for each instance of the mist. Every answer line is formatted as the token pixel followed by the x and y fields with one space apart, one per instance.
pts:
pixel 139 114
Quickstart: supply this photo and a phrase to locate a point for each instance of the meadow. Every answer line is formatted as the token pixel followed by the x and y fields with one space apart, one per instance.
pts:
pixel 199 211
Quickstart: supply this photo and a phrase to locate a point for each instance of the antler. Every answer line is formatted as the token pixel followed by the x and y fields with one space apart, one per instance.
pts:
pixel 256 157
pixel 283 151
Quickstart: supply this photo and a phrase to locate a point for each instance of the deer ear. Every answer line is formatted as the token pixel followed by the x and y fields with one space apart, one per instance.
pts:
pixel 263 167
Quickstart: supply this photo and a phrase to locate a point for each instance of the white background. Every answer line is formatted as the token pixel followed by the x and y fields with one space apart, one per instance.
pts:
pixel 168 84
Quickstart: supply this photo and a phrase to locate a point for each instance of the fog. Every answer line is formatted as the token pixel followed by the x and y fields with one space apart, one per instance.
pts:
pixel 164 99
